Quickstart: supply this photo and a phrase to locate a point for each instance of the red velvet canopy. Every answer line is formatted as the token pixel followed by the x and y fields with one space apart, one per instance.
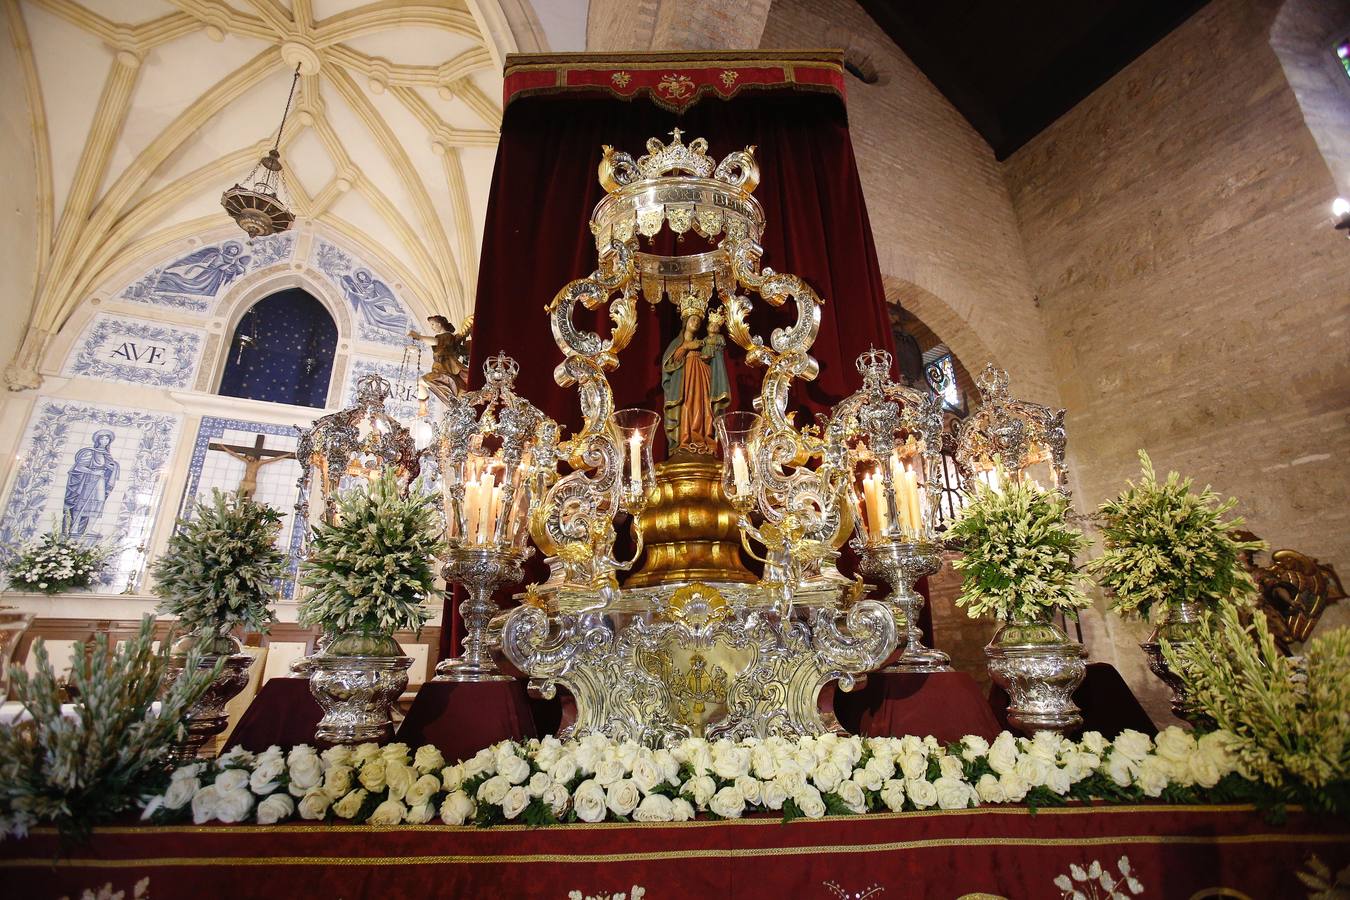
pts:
pixel 561 110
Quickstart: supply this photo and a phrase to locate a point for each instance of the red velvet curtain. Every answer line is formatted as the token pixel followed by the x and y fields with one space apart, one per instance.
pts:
pixel 536 237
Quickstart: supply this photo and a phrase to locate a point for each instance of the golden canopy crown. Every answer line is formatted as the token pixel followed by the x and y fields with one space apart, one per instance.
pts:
pixel 679 185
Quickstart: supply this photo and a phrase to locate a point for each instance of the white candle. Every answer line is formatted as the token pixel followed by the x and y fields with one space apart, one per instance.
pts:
pixel 635 462
pixel 901 497
pixel 740 471
pixel 485 490
pixel 470 508
pixel 912 501
pixel 873 508
pixel 494 516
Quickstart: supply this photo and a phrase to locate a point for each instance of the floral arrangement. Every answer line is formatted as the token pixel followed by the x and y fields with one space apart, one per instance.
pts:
pixel 77 771
pixel 372 569
pixel 594 779
pixel 56 563
pixel 1289 716
pixel 221 567
pixel 1019 551
pixel 1166 542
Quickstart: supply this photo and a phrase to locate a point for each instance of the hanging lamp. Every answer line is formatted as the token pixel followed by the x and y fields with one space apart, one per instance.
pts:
pixel 258 204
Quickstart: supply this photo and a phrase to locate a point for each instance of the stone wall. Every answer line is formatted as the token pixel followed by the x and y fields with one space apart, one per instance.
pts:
pixel 1196 299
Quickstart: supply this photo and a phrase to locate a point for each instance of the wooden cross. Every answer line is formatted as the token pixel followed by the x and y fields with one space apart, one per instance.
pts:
pixel 253 458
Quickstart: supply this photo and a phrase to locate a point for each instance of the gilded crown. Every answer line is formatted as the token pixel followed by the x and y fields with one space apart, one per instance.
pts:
pixel 716 317
pixel 691 304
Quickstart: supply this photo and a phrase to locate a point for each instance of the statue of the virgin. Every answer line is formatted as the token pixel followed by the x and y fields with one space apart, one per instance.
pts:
pixel 694 379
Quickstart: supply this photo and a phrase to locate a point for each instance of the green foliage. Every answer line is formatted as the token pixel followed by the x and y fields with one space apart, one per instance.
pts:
pixel 221 566
pixel 1290 718
pixel 78 771
pixel 372 570
pixel 1019 553
pixel 55 564
pixel 1166 542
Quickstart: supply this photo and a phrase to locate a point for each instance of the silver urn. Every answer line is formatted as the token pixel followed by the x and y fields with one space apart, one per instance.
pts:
pixel 356 679
pixel 1179 626
pixel 1040 668
pixel 207 717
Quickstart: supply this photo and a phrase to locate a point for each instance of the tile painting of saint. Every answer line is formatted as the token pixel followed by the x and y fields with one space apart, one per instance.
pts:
pixel 204 272
pixel 89 481
pixel 374 301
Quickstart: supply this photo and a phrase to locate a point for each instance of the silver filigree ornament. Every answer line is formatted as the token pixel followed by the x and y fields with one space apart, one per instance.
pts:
pixel 1014 435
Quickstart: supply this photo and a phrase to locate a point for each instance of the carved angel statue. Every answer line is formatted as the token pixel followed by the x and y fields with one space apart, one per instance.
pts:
pixel 449 355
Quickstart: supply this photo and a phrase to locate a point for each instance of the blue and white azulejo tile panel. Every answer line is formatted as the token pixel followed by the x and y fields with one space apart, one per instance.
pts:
pixel 93 472
pixel 213 466
pixel 193 281
pixel 402 402
pixel 135 351
pixel 381 317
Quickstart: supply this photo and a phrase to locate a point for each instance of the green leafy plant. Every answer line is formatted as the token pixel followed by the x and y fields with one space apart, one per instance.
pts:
pixel 1290 716
pixel 55 564
pixel 1019 550
pixel 77 770
pixel 221 567
pixel 371 571
pixel 1167 542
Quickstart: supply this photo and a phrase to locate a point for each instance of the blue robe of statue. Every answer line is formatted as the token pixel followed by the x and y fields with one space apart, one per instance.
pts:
pixel 713 353
pixel 89 481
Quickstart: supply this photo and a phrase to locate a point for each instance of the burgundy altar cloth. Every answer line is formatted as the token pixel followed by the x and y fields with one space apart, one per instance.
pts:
pixel 284 713
pixel 463 718
pixel 947 705
pixel 1108 704
pixel 1004 852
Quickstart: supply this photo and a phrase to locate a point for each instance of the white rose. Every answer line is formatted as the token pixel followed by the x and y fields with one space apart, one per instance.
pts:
pixel 515 801
pixel 264 778
pixel 340 755
pixel 275 808
pixel 231 780
pixel 515 769
pixel 762 762
pixel 557 798
pixel 371 774
pixel 390 812
pixel 234 757
pixel 952 793
pixel 700 759
pixel 1045 746
pixel 913 765
pixel 608 771
pixel 700 788
pixel 669 766
pixel 363 752
pixel 1121 768
pixel 623 797
pixel 1152 778
pixel 457 808
pixel 452 777
pixel 564 770
pixel 1002 754
pixel 589 801
pixel 852 794
pixel 1013 787
pixel 920 792
pixel 827 776
pixel 728 803
pixel 314 805
pixel 1057 780
pixel 750 788
pixel 882 766
pixel 1174 744
pixel 950 767
pixel 682 809
pixel 1219 747
pixel 1093 742
pixel 337 781
pixel 428 759
pixel 869 777
pixel 654 808
pixel 539 783
pixel 1032 769
pixel 350 804
pixel 234 806
pixel 893 794
pixel 422 790
pixel 646 775
pixel 398 777
pixel 732 764
pixel 588 756
pixel 628 753
pixel 493 791
pixel 1132 744
pixel 809 801
pixel 420 814
pixel 990 789
pixel 395 752
pixel 973 747
pixel 204 804
pixel 180 792
pixel 772 794
pixel 1203 771
pixel 306 773
pixel 482 763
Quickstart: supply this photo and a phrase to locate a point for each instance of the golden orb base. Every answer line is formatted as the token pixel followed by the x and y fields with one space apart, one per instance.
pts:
pixel 689 527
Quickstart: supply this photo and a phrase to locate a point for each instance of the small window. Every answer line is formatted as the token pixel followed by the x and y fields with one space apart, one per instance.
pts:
pixel 941 375
pixel 282 351
pixel 1343 56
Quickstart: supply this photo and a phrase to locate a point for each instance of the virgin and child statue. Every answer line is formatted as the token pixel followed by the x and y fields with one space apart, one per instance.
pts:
pixel 694 379
pixel 89 481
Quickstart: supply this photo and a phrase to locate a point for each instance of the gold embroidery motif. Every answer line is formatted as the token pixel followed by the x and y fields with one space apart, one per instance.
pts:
pixel 621 79
pixel 729 77
pixel 675 87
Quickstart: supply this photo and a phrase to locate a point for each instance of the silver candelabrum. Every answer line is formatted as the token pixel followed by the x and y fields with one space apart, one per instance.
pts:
pixel 901 563
pixel 482 570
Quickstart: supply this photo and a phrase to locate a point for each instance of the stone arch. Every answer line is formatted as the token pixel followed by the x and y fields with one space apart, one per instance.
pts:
pixel 1303 34
pixel 955 331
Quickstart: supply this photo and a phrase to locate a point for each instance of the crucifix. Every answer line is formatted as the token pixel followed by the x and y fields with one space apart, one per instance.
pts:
pixel 253 458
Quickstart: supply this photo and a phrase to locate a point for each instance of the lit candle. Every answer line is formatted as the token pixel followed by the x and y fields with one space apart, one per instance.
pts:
pixel 912 501
pixel 740 471
pixel 901 495
pixel 873 507
pixel 494 516
pixel 470 508
pixel 635 461
pixel 485 490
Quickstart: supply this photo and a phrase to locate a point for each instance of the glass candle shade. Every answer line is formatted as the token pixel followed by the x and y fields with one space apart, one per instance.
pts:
pixel 637 430
pixel 494 506
pixel 736 436
pixel 889 493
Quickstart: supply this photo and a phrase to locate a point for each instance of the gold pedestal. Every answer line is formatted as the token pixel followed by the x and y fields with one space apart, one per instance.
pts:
pixel 689 528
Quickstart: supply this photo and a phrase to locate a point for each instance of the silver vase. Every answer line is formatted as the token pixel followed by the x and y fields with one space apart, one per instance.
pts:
pixel 356 680
pixel 207 717
pixel 482 570
pixel 1179 626
pixel 1040 668
pixel 901 564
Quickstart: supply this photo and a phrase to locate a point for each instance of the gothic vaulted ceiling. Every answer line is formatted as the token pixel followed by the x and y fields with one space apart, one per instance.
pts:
pixel 145 110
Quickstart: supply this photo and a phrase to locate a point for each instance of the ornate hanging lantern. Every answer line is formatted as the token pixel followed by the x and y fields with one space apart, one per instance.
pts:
pixel 258 203
pixel 1024 440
